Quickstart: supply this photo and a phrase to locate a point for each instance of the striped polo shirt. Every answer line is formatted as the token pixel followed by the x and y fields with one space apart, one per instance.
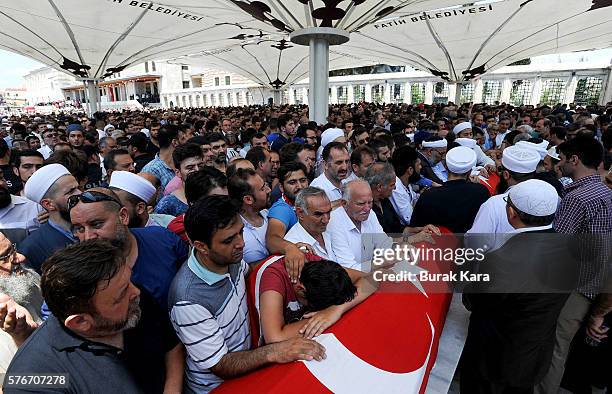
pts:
pixel 210 316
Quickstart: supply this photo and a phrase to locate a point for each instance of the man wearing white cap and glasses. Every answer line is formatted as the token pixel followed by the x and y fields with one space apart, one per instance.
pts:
pixel 135 193
pixel 328 136
pixel 455 204
pixel 519 164
pixel 481 159
pixel 517 309
pixel 51 186
pixel 431 155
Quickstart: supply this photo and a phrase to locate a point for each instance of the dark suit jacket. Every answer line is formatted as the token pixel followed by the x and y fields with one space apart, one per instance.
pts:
pixel 512 327
pixel 426 169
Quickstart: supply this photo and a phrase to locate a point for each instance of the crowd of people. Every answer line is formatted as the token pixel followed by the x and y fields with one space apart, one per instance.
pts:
pixel 127 238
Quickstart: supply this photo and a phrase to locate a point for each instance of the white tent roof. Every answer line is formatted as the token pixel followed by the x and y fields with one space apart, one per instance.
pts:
pixel 93 38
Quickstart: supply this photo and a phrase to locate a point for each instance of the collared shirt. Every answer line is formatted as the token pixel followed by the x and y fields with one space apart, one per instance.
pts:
pixel 333 193
pixel 255 239
pixel 491 226
pixel 20 213
pixel 158 168
pixel 403 199
pixel 354 247
pixel 41 244
pixel 586 208
pixel 45 151
pixel 210 316
pixel 159 219
pixel 299 234
pixel 440 171
pixel 500 138
pixel 173 185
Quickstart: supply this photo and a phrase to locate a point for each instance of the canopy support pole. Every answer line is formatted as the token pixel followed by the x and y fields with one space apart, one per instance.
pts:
pixel 319 39
pixel 92 95
pixel 458 87
pixel 276 95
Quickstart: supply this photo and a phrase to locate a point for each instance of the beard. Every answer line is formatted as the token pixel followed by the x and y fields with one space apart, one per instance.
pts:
pixel 21 286
pixel 135 221
pixel 5 197
pixel 106 326
pixel 64 213
pixel 414 177
pixel 502 186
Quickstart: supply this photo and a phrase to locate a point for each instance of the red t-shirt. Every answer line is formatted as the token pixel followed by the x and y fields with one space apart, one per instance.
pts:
pixel 276 278
pixel 177 226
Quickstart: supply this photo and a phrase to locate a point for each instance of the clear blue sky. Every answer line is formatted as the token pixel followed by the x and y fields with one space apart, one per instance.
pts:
pixel 13 67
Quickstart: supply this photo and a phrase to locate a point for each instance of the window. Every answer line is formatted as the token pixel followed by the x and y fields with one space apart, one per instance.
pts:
pixel 205 100
pixel 152 66
pixel 553 91
pixel 216 81
pixel 397 93
pixel 239 100
pixel 359 93
pixel 342 94
pixel 228 80
pixel 185 84
pixel 491 91
pixel 417 93
pixel 378 93
pixel 521 92
pixel 185 68
pixel 297 96
pixel 588 90
pixel 467 93
pixel 440 93
pixel 146 67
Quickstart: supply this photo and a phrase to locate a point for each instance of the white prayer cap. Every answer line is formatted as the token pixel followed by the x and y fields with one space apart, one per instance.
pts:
pixel 109 126
pixel 132 183
pixel 467 142
pixel 552 152
pixel 540 149
pixel 519 159
pixel 146 132
pixel 460 160
pixel 50 127
pixel 42 180
pixel 534 197
pixel 462 126
pixel 441 143
pixel 410 136
pixel 330 135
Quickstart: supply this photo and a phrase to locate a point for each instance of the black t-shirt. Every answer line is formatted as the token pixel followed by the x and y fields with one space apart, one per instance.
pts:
pixel 152 148
pixel 12 181
pixel 142 160
pixel 387 218
pixel 94 176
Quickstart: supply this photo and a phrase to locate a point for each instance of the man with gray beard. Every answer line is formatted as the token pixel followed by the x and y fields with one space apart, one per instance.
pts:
pixel 20 301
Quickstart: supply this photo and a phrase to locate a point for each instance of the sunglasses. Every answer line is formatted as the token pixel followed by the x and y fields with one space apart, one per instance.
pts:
pixel 89 197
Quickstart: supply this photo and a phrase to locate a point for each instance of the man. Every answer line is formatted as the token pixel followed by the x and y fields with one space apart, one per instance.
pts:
pixel 118 160
pixel 585 213
pixel 51 187
pixel 106 145
pixel 17 212
pixel 208 307
pixel 20 301
pixel 336 163
pixel 135 193
pixel 305 154
pixel 543 126
pixel 26 163
pixel 286 134
pixel 275 164
pixel 154 253
pixel 218 146
pixel 381 147
pixel 187 159
pixel 137 146
pixel 431 155
pixel 360 137
pixel 491 223
pixel 282 216
pixel 558 134
pixel 407 166
pixel 160 170
pixel 381 121
pixel 313 209
pixel 185 133
pixel 252 194
pixel 362 158
pixel 504 128
pixel 511 334
pixel 76 134
pixel 33 142
pixel 50 138
pixel 100 322
pixel 381 178
pixel 347 127
pixel 11 179
pixel 351 223
pixel 455 204
pixel 261 160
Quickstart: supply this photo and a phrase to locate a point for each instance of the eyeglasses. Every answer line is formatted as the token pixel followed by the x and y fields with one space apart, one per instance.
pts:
pixel 11 252
pixel 89 197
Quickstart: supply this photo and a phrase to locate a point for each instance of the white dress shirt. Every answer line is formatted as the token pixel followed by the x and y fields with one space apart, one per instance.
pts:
pixel 298 233
pixel 481 158
pixel 20 213
pixel 333 193
pixel 491 226
pixel 354 248
pixel 500 138
pixel 255 239
pixel 403 199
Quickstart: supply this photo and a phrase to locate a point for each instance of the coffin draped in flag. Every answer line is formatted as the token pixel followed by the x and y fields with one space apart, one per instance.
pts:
pixel 388 343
